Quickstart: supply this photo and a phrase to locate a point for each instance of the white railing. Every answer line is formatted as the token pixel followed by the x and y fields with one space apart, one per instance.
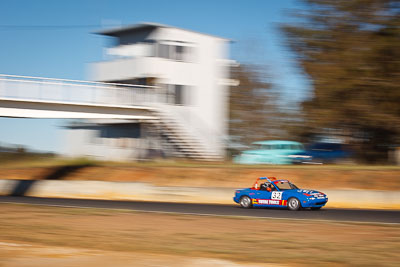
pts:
pixel 75 91
pixel 189 123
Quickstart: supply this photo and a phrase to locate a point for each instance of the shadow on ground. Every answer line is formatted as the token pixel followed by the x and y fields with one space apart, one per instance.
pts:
pixel 22 187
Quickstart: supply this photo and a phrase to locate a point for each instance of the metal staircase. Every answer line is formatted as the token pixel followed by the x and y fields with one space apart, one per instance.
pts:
pixel 184 144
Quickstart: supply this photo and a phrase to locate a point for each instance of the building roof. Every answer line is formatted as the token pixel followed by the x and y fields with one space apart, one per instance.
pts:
pixel 145 26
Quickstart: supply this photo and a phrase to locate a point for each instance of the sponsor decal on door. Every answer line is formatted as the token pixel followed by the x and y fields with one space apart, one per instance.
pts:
pixel 269 202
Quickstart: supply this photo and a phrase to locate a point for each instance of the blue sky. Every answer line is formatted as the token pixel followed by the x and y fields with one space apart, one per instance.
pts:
pixel 64 52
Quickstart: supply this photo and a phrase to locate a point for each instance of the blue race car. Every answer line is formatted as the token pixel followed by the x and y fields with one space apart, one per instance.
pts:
pixel 272 192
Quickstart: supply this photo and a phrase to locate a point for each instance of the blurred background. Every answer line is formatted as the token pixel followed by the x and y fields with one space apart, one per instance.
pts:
pixel 305 82
pixel 161 109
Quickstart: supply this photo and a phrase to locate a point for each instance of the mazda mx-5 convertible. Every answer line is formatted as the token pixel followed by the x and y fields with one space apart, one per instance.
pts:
pixel 280 193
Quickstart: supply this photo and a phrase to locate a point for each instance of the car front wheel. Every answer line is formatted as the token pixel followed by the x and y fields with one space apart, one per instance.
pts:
pixel 293 204
pixel 245 202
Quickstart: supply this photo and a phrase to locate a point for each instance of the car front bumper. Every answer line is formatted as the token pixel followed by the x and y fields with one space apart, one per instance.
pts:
pixel 315 203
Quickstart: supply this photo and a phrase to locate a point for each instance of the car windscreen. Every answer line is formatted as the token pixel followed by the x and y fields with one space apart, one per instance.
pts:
pixel 284 185
pixel 281 147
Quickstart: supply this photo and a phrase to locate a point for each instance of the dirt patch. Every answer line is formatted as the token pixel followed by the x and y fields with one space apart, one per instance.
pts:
pixel 19 255
pixel 59 234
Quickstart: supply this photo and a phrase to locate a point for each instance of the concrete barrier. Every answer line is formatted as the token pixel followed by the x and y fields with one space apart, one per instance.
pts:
pixel 346 198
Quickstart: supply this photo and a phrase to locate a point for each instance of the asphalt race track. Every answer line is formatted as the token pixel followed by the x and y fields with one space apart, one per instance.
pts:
pixel 351 215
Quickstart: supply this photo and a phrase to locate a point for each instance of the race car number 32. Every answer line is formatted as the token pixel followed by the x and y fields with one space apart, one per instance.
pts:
pixel 276 195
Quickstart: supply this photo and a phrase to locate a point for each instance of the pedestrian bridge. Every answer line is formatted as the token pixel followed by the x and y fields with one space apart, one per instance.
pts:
pixel 38 97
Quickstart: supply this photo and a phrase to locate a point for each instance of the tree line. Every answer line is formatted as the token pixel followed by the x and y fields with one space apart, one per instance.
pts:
pixel 350 51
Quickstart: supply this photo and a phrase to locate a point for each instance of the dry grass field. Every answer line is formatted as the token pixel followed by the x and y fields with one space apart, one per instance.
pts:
pixel 54 236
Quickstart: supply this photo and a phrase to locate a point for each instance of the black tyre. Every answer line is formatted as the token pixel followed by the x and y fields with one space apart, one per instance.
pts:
pixel 245 202
pixel 316 208
pixel 293 204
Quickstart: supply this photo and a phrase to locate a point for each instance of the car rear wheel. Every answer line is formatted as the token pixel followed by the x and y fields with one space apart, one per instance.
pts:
pixel 245 202
pixel 293 204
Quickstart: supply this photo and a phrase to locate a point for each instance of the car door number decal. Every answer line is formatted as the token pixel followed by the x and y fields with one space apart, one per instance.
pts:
pixel 276 195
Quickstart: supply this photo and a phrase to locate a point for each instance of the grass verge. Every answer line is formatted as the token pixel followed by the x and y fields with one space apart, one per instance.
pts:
pixel 207 174
pixel 240 240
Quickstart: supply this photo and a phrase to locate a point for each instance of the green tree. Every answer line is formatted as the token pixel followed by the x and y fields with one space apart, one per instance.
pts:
pixel 350 49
